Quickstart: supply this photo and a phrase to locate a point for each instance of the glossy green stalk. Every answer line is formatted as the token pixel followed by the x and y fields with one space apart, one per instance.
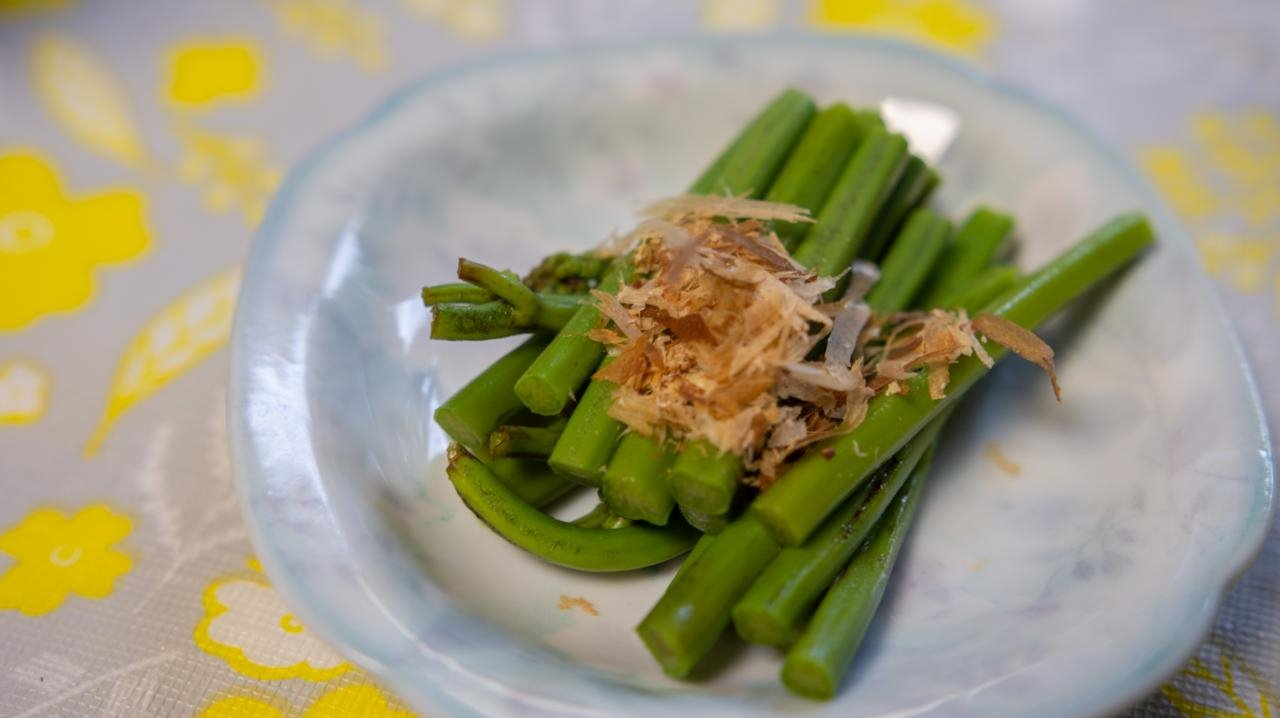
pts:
pixel 515 440
pixel 816 484
pixel 812 170
pixel 821 656
pixel 635 484
pixel 694 610
pixel 704 480
pixel 912 190
pixel 530 479
pixel 912 256
pixel 691 558
pixel 550 382
pixel 457 292
pixel 985 288
pixel 588 440
pixel 977 243
pixel 505 285
pixel 560 542
pixel 496 319
pixel 485 402
pixel 852 205
pixel 773 611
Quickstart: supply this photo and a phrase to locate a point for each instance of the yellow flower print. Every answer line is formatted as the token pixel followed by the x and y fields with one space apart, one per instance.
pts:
pixel 206 71
pixel 1226 184
pixel 472 19
pixel 50 243
pixel 233 170
pixel 955 25
pixel 740 15
pixel 361 700
pixel 57 555
pixel 24 392
pixel 84 97
pixel 247 624
pixel 191 328
pixel 15 8
pixel 240 707
pixel 1248 695
pixel 335 28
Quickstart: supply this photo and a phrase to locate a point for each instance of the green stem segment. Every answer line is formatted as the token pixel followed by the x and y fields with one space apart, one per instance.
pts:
pixel 530 479
pixel 511 440
pixel 976 245
pixel 583 450
pixel 821 656
pixel 457 292
pixel 704 480
pixel 694 611
pixel 847 215
pixel 984 289
pixel 497 319
pixel 635 484
pixel 912 257
pixel 812 170
pixel 833 469
pixel 550 382
pixel 912 189
pixel 504 285
pixel 774 609
pixel 555 541
pixel 475 410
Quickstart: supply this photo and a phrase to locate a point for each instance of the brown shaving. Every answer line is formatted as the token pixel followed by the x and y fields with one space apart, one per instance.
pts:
pixel 1020 341
pixel 995 455
pixel 568 602
pixel 710 339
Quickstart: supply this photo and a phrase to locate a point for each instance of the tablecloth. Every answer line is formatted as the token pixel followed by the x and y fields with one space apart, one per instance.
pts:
pixel 139 144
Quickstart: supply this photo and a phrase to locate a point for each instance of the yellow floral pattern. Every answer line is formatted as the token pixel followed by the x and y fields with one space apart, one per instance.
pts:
pixel 240 707
pixel 176 339
pixel 248 625
pixel 79 91
pixel 50 244
pixel 233 170
pixel 362 700
pixel 207 71
pixel 335 28
pixel 740 15
pixel 471 19
pixel 954 25
pixel 17 8
pixel 1228 697
pixel 1226 184
pixel 24 392
pixel 57 556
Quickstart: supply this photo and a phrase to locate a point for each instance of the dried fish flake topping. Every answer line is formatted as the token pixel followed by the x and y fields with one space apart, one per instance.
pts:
pixel 710 339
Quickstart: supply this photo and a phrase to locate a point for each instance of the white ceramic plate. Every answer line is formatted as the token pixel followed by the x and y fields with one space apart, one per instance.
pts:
pixel 1070 589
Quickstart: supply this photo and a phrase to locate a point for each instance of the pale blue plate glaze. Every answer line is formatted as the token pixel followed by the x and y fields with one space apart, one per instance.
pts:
pixel 1070 589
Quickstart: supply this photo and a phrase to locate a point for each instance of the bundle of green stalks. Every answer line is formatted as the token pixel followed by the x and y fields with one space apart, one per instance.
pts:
pixel 798 558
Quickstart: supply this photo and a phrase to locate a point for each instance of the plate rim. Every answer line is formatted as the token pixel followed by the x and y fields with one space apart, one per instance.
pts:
pixel 1183 644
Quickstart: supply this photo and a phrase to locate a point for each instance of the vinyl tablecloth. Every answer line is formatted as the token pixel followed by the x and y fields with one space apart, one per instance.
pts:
pixel 139 144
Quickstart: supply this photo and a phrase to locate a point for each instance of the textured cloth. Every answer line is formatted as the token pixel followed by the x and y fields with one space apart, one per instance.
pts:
pixel 142 141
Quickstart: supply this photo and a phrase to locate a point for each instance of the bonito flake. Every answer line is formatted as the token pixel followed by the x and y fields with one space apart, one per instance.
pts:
pixel 714 337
